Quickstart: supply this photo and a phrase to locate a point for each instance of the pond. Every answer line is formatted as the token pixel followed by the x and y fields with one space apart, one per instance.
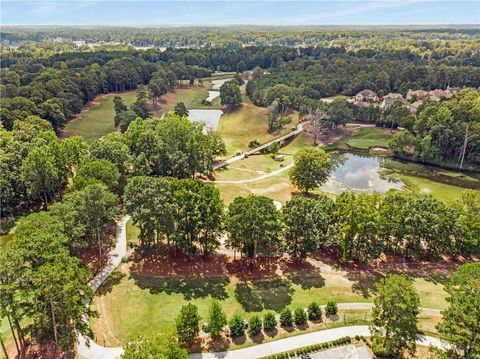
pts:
pixel 359 173
pixel 208 117
pixel 215 91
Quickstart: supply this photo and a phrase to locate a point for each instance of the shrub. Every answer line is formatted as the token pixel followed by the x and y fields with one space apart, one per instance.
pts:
pixel 357 337
pixel 286 319
pixel 331 308
pixel 237 328
pixel 254 325
pixel 273 148
pixel 269 321
pixel 216 319
pixel 253 144
pixel 379 350
pixel 187 323
pixel 314 311
pixel 300 316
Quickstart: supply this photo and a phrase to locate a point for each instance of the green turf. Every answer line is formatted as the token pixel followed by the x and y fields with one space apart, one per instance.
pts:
pixel 191 96
pixel 438 190
pixel 97 119
pixel 248 122
pixel 364 138
pixel 141 304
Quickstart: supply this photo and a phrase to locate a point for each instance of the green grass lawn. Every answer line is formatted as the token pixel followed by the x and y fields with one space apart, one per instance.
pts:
pixel 441 191
pixel 277 187
pixel 96 120
pixel 247 123
pixel 364 138
pixel 138 304
pixel 191 96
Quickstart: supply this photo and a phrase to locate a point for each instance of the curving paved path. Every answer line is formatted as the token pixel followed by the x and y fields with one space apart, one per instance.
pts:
pixel 88 349
pixel 303 340
pixel 259 178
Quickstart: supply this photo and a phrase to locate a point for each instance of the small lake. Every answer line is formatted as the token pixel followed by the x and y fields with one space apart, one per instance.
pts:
pixel 216 84
pixel 208 117
pixel 215 91
pixel 359 173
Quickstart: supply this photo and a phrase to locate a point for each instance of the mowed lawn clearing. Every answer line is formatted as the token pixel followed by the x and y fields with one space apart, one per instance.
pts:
pixel 277 187
pixel 246 123
pixel 96 119
pixel 190 95
pixel 439 190
pixel 364 138
pixel 146 296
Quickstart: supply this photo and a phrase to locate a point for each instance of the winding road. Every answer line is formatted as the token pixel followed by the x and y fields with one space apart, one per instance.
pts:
pixel 88 349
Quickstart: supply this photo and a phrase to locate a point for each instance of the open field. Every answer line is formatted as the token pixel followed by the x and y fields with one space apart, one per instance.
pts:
pixel 145 295
pixel 96 119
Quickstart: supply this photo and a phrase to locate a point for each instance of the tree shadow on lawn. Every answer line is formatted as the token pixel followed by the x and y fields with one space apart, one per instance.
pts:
pixel 259 268
pixel 257 339
pixel 302 273
pixel 365 275
pixel 111 281
pixel 257 295
pixel 218 345
pixel 190 288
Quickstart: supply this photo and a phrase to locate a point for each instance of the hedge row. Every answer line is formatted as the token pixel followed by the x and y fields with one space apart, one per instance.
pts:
pixel 310 349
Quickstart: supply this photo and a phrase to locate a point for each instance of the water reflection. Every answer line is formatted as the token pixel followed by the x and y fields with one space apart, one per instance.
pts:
pixel 208 117
pixel 358 173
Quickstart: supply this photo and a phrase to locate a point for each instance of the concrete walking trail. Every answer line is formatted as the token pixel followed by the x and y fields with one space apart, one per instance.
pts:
pixel 94 351
pixel 303 340
pixel 255 179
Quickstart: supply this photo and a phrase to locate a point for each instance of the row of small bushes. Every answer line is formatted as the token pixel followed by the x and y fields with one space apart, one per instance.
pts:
pixel 287 318
pixel 310 349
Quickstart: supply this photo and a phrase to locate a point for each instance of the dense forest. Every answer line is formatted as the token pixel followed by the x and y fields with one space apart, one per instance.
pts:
pixel 234 37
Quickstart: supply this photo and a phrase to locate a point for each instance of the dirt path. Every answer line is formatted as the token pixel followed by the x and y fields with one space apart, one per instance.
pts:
pixel 262 177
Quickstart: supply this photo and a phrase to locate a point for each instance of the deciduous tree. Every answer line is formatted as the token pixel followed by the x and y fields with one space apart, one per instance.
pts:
pixel 311 169
pixel 394 322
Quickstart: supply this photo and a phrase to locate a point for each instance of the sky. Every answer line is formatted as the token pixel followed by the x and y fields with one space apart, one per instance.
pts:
pixel 225 12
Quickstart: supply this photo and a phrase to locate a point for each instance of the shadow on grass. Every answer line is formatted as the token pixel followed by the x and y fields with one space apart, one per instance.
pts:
pixel 255 296
pixel 239 340
pixel 365 275
pixel 303 274
pixel 190 288
pixel 111 281
pixel 257 339
pixel 219 345
pixel 271 333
